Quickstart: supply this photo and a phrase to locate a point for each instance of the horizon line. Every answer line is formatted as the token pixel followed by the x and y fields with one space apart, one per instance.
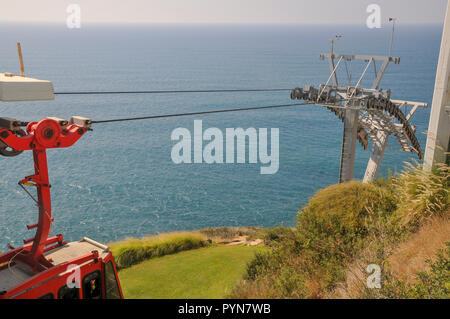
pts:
pixel 211 23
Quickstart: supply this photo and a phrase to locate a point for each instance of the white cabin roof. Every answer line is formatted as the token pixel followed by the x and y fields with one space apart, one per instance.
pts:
pixel 20 88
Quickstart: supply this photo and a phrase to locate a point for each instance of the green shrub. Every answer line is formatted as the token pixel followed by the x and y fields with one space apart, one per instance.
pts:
pixel 432 284
pixel 275 235
pixel 435 283
pixel 343 211
pixel 258 265
pixel 291 284
pixel 335 224
pixel 133 251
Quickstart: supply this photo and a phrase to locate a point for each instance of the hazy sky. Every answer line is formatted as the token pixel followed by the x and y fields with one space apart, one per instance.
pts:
pixel 223 11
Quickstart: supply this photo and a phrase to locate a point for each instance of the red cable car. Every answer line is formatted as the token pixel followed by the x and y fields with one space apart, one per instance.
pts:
pixel 46 267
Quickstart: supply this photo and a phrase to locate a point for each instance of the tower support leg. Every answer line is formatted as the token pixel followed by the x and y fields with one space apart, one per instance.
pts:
pixel 375 158
pixel 438 139
pixel 44 206
pixel 348 145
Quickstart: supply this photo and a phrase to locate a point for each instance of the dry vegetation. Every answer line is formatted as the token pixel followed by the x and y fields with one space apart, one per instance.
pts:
pixel 403 261
pixel 401 223
pixel 410 257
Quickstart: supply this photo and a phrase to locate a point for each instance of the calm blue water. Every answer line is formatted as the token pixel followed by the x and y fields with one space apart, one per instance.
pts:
pixel 119 181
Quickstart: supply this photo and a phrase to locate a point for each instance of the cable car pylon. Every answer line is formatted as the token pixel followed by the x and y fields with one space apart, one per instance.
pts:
pixel 367 113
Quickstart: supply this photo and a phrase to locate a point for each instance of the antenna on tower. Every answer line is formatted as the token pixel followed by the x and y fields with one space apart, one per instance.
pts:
pixel 393 30
pixel 337 37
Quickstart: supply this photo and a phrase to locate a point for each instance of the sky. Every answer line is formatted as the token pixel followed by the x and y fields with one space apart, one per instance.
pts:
pixel 223 11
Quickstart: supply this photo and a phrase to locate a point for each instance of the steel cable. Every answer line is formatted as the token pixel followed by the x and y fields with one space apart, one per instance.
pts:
pixel 199 113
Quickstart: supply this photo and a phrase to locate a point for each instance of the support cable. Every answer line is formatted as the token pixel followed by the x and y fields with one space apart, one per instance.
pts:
pixel 199 113
pixel 171 91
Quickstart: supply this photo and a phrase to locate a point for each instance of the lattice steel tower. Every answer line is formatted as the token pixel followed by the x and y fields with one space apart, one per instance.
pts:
pixel 367 113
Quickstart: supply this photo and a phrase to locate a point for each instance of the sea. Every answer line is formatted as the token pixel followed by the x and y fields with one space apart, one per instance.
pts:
pixel 119 180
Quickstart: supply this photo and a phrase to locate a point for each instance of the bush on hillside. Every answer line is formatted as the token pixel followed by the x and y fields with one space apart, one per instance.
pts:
pixel 339 226
pixel 431 284
pixel 330 230
pixel 338 218
pixel 276 235
pixel 435 283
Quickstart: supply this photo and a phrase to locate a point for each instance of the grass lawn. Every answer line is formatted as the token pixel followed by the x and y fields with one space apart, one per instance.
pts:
pixel 204 273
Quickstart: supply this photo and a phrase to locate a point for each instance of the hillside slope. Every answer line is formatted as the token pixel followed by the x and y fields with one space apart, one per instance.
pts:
pixel 395 224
